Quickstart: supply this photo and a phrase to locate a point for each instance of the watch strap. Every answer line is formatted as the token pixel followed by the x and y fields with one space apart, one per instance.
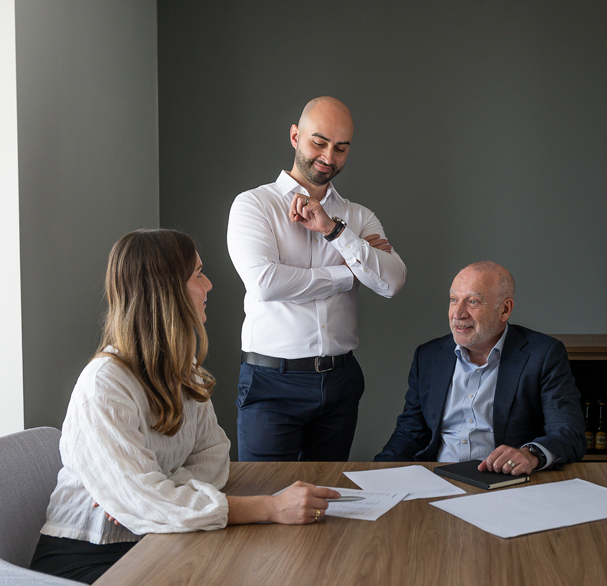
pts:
pixel 538 453
pixel 339 225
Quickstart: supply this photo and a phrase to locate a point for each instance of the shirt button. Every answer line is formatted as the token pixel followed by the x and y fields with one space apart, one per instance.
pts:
pixel 470 396
pixel 347 246
pixel 464 441
pixel 323 326
pixel 315 239
pixel 470 420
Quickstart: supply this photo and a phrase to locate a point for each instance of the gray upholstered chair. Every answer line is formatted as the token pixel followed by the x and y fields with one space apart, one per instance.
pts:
pixel 29 463
pixel 11 575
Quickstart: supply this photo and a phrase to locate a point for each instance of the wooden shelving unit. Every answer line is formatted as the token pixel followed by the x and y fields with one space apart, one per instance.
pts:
pixel 584 346
pixel 584 350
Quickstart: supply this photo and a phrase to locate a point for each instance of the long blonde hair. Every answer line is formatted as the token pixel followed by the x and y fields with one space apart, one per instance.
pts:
pixel 153 324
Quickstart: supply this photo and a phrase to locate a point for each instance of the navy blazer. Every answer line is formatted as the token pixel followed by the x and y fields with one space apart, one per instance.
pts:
pixel 536 399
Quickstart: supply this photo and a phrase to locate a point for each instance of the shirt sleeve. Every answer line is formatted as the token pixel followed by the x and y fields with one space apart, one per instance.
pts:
pixel 125 478
pixel 254 251
pixel 382 272
pixel 207 462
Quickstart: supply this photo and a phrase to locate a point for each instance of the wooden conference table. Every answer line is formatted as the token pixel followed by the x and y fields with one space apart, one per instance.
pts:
pixel 413 543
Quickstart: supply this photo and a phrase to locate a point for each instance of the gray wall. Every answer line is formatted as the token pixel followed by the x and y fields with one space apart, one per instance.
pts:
pixel 88 173
pixel 480 133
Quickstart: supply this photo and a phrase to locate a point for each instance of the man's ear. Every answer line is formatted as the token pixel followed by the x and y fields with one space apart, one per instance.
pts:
pixel 506 309
pixel 294 135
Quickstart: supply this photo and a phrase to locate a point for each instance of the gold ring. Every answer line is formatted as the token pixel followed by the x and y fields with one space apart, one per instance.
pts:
pixel 317 515
pixel 511 463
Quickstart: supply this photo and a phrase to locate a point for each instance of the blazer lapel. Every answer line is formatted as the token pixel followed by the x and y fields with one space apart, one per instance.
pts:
pixel 443 365
pixel 512 363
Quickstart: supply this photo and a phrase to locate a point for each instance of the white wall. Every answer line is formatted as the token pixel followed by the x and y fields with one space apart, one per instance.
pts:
pixel 11 389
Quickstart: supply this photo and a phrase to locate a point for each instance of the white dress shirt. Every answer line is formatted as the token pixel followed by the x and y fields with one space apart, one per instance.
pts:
pixel 300 297
pixel 149 482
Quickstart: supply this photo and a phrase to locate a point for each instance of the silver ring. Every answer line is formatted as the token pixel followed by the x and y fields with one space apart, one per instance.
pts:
pixel 306 202
pixel 511 463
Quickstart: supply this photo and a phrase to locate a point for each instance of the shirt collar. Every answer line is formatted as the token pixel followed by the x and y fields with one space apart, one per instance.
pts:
pixel 289 187
pixel 494 355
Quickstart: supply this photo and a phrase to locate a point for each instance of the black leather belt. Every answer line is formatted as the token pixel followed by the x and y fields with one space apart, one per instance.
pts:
pixel 314 363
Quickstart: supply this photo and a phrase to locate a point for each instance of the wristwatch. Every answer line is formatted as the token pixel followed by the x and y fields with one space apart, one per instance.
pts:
pixel 340 224
pixel 538 454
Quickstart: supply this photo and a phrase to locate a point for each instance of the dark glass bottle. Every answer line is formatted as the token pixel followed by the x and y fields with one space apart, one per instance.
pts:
pixel 600 438
pixel 589 432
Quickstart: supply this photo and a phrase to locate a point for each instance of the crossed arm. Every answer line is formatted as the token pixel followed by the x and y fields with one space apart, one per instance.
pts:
pixel 260 243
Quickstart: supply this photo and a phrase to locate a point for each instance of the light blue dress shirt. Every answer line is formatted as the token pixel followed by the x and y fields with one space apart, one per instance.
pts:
pixel 467 426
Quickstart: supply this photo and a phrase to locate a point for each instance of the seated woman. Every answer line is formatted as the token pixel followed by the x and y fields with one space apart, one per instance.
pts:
pixel 140 437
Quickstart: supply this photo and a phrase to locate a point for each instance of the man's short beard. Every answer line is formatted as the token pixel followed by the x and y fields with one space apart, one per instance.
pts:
pixel 306 167
pixel 482 333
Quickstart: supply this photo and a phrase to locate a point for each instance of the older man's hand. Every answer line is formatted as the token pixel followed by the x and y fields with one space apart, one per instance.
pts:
pixel 510 461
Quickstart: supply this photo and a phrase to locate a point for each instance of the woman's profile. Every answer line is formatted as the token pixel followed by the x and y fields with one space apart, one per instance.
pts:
pixel 141 448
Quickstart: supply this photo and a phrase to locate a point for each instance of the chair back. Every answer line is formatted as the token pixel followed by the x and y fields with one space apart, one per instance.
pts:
pixel 29 464
pixel 11 575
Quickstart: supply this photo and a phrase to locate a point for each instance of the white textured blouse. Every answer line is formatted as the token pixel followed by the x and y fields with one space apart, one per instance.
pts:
pixel 148 482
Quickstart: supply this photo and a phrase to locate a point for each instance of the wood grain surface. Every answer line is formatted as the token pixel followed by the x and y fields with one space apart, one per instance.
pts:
pixel 414 543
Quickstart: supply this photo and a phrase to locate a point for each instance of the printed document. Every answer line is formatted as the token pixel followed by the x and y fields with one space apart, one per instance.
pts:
pixel 370 508
pixel 374 505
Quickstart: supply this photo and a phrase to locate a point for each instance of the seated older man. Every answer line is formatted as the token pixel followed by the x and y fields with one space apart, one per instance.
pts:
pixel 491 391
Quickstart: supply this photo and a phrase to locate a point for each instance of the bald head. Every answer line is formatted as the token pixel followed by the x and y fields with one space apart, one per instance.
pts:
pixel 504 283
pixel 326 107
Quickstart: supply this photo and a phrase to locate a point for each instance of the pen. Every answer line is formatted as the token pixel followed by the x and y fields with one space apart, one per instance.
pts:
pixel 345 499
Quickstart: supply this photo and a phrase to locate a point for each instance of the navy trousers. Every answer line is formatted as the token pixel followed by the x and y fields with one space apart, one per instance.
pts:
pixel 295 415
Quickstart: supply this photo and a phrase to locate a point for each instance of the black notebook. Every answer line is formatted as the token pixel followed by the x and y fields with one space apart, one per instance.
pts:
pixel 469 473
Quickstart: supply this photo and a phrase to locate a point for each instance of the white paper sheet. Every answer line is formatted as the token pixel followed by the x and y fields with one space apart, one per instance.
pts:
pixel 518 511
pixel 370 509
pixel 417 481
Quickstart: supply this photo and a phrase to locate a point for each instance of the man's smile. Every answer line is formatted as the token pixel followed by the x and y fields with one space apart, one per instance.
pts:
pixel 322 167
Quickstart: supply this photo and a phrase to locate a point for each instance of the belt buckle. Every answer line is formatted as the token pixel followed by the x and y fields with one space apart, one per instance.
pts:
pixel 317 364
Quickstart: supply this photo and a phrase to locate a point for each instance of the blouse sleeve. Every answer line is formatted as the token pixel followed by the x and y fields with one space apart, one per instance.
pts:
pixel 107 450
pixel 209 460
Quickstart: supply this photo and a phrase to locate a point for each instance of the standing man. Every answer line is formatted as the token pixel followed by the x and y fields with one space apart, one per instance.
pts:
pixel 490 391
pixel 302 251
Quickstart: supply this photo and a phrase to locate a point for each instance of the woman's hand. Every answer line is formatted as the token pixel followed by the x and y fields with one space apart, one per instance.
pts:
pixel 109 517
pixel 299 504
